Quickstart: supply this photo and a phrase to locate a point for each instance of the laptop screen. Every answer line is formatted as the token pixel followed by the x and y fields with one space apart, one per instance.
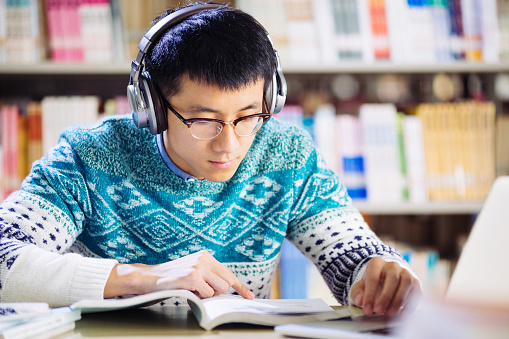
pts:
pixel 482 273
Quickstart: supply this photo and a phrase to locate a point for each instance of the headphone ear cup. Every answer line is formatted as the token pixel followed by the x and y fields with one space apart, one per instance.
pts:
pixel 275 95
pixel 156 112
pixel 280 92
pixel 270 95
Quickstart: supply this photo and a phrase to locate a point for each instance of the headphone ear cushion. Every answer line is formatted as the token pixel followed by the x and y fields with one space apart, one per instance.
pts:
pixel 270 95
pixel 157 117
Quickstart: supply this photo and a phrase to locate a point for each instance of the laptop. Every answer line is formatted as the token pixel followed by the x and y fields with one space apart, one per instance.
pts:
pixel 482 273
pixel 481 276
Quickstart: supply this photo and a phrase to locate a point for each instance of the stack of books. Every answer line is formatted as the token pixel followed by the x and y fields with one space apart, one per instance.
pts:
pixel 35 320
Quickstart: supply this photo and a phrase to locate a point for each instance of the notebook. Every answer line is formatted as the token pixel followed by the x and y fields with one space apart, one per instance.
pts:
pixel 482 273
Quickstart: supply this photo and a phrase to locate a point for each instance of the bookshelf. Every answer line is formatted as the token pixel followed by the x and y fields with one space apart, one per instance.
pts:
pixel 406 208
pixel 288 68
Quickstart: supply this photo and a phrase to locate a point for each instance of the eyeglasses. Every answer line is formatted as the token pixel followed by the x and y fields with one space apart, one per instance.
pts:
pixel 206 129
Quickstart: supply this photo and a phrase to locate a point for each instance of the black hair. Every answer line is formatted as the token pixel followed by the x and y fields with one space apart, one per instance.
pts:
pixel 223 46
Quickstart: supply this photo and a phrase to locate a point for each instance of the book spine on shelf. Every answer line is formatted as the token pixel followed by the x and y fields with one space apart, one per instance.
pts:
pixel 348 38
pixel 489 31
pixel 384 181
pixel 350 155
pixel 381 46
pixel 420 25
pixel 292 269
pixel 401 155
pixel 503 29
pixel 325 26
pixel 470 10
pixel 56 39
pixel 302 36
pixel 3 31
pixel 324 131
pixel 415 159
pixel 119 52
pixel 9 138
pixel 64 10
pixel 457 36
pixel 22 151
pixel 442 30
pixel 76 48
pixel 397 24
pixel 3 144
pixel 34 127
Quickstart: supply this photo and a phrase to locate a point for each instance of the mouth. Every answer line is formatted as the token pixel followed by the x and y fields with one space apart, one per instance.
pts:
pixel 223 164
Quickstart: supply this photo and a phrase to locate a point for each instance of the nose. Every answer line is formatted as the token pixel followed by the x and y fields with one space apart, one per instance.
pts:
pixel 227 141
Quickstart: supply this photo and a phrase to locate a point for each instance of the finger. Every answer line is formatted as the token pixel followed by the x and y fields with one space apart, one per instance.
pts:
pixel 242 289
pixel 218 283
pixel 202 289
pixel 406 281
pixel 357 293
pixel 391 282
pixel 219 269
pixel 372 281
pixel 413 299
pixel 232 280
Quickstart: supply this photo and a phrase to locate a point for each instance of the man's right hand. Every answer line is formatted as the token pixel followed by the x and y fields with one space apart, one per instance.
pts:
pixel 199 272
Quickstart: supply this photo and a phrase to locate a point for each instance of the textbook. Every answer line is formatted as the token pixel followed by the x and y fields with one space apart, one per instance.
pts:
pixel 224 309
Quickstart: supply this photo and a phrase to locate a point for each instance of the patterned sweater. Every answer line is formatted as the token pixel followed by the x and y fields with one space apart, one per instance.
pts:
pixel 103 195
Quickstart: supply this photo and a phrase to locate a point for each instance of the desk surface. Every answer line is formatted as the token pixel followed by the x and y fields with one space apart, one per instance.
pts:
pixel 177 322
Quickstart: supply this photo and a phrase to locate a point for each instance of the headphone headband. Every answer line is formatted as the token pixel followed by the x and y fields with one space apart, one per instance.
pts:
pixel 156 31
pixel 148 108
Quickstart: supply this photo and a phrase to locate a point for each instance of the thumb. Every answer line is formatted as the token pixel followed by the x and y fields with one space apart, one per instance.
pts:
pixel 357 292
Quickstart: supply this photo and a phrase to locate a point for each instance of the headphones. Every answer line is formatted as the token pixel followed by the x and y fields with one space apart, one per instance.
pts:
pixel 147 106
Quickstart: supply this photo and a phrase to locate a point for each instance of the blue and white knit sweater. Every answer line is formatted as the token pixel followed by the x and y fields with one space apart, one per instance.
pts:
pixel 104 195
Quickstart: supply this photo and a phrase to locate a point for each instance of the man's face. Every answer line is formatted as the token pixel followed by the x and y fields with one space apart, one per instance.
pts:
pixel 216 159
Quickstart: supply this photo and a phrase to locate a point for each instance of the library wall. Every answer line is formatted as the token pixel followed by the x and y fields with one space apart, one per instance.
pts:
pixel 385 87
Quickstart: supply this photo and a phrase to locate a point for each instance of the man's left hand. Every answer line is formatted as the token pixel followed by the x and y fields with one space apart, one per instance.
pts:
pixel 385 288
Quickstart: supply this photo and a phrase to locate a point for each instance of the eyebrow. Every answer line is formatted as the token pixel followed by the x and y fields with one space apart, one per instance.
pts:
pixel 205 109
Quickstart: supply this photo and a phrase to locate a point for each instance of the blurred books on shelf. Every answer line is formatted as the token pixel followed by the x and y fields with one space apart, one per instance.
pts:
pixel 399 31
pixel 299 278
pixel 459 144
pixel 304 31
pixel 445 152
pixel 29 128
pixel 22 31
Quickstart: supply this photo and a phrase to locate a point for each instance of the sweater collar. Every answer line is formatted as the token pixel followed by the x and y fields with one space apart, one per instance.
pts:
pixel 169 163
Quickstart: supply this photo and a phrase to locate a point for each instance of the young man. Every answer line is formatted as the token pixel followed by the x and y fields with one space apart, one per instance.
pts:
pixel 205 203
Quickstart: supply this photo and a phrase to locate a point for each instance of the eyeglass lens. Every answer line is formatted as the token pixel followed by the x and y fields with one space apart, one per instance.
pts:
pixel 211 129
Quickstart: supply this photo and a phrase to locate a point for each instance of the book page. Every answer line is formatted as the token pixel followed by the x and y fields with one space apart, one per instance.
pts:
pixel 223 304
pixel 143 300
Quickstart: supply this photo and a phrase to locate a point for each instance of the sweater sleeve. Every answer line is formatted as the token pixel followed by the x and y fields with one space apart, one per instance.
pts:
pixel 330 231
pixel 38 226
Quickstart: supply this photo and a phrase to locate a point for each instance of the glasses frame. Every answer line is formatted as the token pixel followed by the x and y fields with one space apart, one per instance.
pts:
pixel 189 122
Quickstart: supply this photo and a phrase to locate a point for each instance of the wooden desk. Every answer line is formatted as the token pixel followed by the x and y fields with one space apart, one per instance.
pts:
pixel 177 322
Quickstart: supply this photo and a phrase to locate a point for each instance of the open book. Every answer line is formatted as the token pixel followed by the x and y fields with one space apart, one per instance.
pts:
pixel 223 309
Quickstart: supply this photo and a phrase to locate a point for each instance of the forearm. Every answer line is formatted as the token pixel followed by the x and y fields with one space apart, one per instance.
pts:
pixel 126 279
pixel 59 280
